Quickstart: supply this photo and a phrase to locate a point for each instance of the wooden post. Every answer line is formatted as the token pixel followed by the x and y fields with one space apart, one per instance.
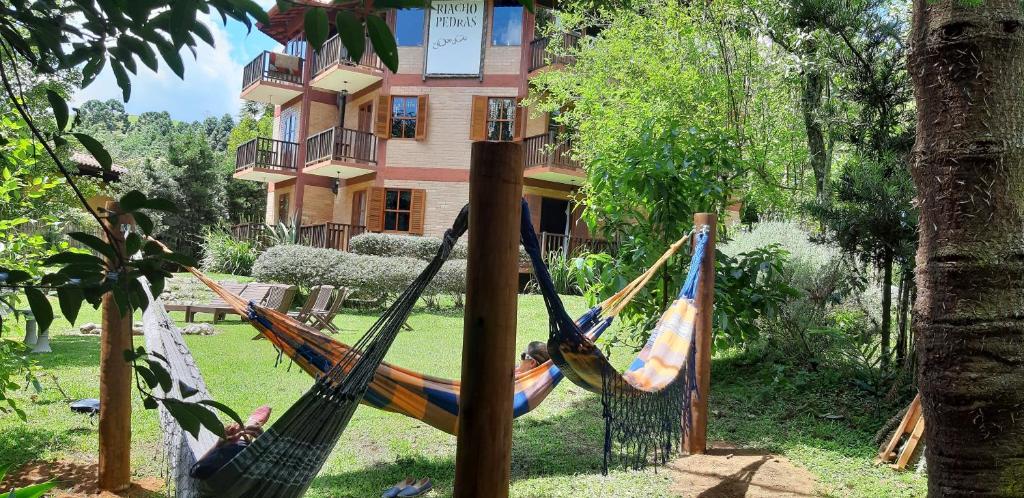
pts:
pixel 696 441
pixel 115 425
pixel 484 452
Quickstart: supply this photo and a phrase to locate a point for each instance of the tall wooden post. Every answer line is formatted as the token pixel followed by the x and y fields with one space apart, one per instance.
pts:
pixel 115 425
pixel 484 453
pixel 696 440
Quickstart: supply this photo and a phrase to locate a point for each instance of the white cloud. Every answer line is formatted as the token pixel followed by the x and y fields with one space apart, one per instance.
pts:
pixel 211 86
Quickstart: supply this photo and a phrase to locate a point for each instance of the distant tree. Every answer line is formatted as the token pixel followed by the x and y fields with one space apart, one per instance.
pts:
pixel 245 199
pixel 107 115
pixel 194 168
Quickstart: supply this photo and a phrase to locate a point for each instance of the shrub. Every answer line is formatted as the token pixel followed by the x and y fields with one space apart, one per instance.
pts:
pixel 565 274
pixel 369 276
pixel 410 246
pixel 224 254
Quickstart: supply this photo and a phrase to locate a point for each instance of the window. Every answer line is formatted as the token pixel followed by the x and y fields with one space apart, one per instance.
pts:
pixel 282 208
pixel 397 210
pixel 501 117
pixel 507 23
pixel 409 27
pixel 404 116
pixel 289 125
pixel 296 46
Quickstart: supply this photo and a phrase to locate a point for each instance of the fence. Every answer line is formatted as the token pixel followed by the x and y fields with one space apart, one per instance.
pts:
pixel 334 52
pixel 569 245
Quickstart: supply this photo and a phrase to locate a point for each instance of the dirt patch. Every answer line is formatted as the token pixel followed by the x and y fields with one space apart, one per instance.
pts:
pixel 76 480
pixel 728 472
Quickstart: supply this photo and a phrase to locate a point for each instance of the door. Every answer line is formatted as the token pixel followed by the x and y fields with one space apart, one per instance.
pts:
pixel 289 132
pixel 365 127
pixel 359 208
pixel 554 225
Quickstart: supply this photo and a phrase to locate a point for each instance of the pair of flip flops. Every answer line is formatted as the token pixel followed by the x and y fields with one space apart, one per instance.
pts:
pixel 409 487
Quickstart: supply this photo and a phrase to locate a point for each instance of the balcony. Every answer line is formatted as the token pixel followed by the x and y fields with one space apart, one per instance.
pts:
pixel 324 235
pixel 547 158
pixel 341 153
pixel 541 57
pixel 335 70
pixel 266 160
pixel 272 78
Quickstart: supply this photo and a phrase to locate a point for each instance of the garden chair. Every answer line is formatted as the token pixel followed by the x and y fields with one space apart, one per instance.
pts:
pixel 324 319
pixel 279 297
pixel 318 301
pixel 191 308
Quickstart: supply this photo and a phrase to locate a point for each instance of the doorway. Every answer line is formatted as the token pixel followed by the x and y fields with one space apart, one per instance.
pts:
pixel 554 215
pixel 359 208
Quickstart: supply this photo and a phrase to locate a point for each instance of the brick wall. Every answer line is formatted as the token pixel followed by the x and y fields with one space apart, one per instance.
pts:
pixel 322 117
pixel 317 205
pixel 343 202
pixel 502 60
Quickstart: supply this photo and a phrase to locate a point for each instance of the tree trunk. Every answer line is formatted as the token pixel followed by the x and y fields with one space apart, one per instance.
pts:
pixel 886 309
pixel 902 318
pixel 810 105
pixel 967 65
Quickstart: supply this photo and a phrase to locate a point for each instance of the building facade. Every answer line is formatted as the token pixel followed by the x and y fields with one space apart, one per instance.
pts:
pixel 359 148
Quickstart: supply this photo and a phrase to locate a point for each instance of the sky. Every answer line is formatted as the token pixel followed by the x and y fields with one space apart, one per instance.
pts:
pixel 212 83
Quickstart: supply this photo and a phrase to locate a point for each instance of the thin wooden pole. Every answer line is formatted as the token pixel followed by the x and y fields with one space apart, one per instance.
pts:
pixel 115 425
pixel 484 452
pixel 696 440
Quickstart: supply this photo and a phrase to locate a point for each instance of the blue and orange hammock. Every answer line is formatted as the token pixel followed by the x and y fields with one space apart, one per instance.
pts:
pixel 641 407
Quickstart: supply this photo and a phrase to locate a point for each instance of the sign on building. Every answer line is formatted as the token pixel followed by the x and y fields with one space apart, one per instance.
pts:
pixel 455 38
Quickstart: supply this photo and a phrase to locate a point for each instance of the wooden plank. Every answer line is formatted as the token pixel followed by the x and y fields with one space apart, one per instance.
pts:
pixel 115 418
pixel 888 451
pixel 695 441
pixel 484 452
pixel 908 449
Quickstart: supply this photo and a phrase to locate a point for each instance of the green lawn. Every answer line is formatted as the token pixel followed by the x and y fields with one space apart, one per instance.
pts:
pixel 556 448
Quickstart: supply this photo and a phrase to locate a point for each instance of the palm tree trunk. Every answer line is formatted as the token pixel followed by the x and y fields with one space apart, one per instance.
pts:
pixel 967 65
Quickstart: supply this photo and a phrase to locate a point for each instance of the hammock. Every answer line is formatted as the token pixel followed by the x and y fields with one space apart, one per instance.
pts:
pixel 642 407
pixel 432 400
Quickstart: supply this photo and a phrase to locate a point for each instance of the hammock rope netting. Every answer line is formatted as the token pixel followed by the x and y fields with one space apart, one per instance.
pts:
pixel 641 407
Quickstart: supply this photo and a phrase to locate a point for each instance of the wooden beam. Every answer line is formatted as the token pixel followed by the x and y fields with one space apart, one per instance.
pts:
pixel 695 441
pixel 484 451
pixel 912 441
pixel 115 424
pixel 888 451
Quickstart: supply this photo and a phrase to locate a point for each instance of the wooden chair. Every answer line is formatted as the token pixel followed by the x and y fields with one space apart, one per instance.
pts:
pixel 325 319
pixel 213 306
pixel 279 297
pixel 318 301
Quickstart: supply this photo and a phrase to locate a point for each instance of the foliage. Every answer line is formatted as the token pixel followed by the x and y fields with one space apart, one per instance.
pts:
pixel 371 277
pixel 246 200
pixel 223 254
pixel 202 191
pixel 107 115
pixel 749 287
pixel 410 246
pixel 566 274
pixel 33 491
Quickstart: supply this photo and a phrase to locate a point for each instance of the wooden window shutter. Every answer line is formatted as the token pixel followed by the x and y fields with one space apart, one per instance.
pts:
pixel 375 209
pixel 478 119
pixel 418 211
pixel 421 117
pixel 382 123
pixel 519 126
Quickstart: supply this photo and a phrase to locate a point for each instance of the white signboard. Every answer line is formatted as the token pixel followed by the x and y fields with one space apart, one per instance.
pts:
pixel 455 37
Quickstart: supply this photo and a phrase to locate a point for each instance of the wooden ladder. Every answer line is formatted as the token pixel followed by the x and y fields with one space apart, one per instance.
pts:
pixel 912 424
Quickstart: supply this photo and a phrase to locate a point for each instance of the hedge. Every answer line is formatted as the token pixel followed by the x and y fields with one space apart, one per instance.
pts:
pixel 369 276
pixel 410 246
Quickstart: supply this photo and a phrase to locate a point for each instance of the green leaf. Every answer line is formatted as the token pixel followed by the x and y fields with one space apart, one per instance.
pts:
pixel 60 108
pixel 140 48
pixel 147 376
pixel 95 243
pixel 163 377
pixel 34 491
pixel 150 403
pixel 96 149
pixel 351 32
pixel 144 222
pixel 121 299
pixel 12 277
pixel 383 42
pixel 224 409
pixel 316 26
pixel 132 244
pixel 208 419
pixel 203 32
pixel 70 299
pixel 132 201
pixel 181 412
pixel 40 306
pixel 73 258
pixel 529 4
pixel 161 204
pixel 123 81
pixel 93 68
pixel 186 390
pixel 172 58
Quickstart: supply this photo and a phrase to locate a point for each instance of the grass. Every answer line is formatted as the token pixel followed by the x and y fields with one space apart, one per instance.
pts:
pixel 556 448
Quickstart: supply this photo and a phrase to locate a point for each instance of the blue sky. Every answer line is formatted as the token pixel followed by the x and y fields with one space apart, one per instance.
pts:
pixel 212 83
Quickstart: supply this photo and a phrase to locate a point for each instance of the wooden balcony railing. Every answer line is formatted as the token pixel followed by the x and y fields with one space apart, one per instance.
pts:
pixel 272 66
pixel 342 144
pixel 540 56
pixel 266 153
pixel 569 246
pixel 334 52
pixel 254 233
pixel 329 235
pixel 547 150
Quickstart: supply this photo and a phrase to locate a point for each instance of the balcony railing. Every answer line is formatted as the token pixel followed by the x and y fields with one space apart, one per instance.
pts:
pixel 272 66
pixel 334 52
pixel 342 144
pixel 253 233
pixel 540 56
pixel 570 246
pixel 266 153
pixel 329 235
pixel 547 150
